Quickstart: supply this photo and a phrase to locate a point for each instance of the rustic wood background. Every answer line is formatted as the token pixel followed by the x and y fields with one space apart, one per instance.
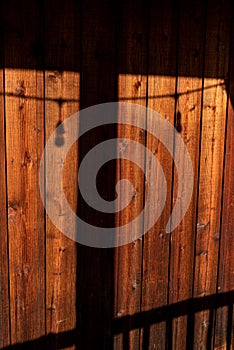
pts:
pixel 164 291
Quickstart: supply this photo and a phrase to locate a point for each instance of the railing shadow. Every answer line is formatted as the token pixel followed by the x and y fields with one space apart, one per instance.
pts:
pixel 144 320
pixel 190 307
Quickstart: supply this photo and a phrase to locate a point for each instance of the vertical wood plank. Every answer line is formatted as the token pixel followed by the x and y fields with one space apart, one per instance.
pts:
pixel 62 97
pixel 161 97
pixel 188 109
pixel 132 88
pixel 24 146
pixel 224 334
pixel 95 267
pixel 4 272
pixel 211 162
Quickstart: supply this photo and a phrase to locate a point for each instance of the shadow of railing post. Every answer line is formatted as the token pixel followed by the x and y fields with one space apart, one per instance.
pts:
pixel 189 308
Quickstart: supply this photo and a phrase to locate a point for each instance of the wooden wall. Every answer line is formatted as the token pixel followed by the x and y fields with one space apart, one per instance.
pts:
pixel 164 291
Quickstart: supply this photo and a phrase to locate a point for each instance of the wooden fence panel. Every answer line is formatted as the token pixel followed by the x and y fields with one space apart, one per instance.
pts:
pixel 224 333
pixel 188 109
pixel 24 109
pixel 132 88
pixel 211 165
pixel 62 98
pixel 161 98
pixel 4 273
pixel 162 291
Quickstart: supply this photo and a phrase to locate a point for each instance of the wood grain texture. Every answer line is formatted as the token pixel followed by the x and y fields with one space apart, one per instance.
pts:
pixel 62 99
pixel 24 108
pixel 211 165
pixel 4 272
pixel 188 109
pixel 161 98
pixel 224 334
pixel 57 57
pixel 132 88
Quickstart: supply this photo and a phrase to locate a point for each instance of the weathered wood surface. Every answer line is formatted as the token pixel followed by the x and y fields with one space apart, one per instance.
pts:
pixel 188 111
pixel 174 57
pixel 213 125
pixel 224 330
pixel 163 24
pixel 4 272
pixel 62 98
pixel 132 88
pixel 24 145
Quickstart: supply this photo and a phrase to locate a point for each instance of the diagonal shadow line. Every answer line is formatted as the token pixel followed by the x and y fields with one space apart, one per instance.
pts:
pixel 62 340
pixel 127 323
pixel 179 309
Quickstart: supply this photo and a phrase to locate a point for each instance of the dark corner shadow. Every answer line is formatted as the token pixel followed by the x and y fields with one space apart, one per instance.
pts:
pixel 144 320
